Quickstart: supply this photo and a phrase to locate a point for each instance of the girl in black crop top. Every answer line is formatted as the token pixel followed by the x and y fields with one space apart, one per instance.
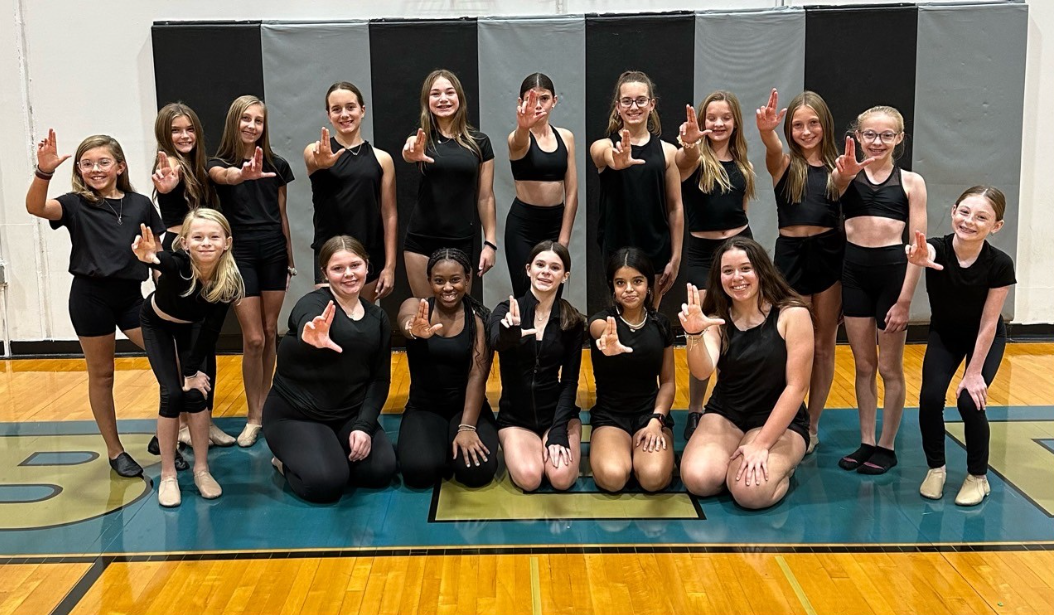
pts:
pixel 810 246
pixel 251 183
pixel 456 163
pixel 539 338
pixel 353 189
pixel 102 215
pixel 542 157
pixel 755 428
pixel 448 426
pixel 640 196
pixel 181 322
pixel 880 201
pixel 632 358
pixel 717 182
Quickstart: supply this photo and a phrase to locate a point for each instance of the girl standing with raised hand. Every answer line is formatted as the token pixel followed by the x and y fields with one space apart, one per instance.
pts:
pixel 251 183
pixel 640 198
pixel 879 201
pixel 456 162
pixel 717 182
pixel 542 157
pixel 633 365
pixel 102 215
pixel 353 189
pixel 810 246
pixel 448 426
pixel 538 338
pixel 967 280
pixel 181 322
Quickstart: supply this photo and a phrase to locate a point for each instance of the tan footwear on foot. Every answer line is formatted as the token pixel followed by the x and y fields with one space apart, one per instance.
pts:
pixel 249 435
pixel 218 437
pixel 168 493
pixel 814 441
pixel 974 490
pixel 184 435
pixel 207 486
pixel 933 485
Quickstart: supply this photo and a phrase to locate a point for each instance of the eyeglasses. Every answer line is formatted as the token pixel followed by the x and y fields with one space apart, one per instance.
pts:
pixel 640 101
pixel 103 164
pixel 886 137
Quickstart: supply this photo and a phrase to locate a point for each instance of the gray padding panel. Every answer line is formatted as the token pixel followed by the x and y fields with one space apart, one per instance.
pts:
pixel 509 50
pixel 300 62
pixel 749 53
pixel 968 108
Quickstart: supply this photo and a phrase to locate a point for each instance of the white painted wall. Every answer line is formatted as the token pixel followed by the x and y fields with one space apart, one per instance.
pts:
pixel 84 69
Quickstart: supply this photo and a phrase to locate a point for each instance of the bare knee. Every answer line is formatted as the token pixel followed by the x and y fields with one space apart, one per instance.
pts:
pixel 756 497
pixel 609 475
pixel 891 374
pixel 654 478
pixel 270 333
pixel 253 343
pixel 563 478
pixel 703 479
pixel 527 475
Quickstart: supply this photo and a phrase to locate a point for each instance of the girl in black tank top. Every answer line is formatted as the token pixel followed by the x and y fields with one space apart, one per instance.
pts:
pixel 353 189
pixel 448 425
pixel 640 201
pixel 759 339
pixel 546 181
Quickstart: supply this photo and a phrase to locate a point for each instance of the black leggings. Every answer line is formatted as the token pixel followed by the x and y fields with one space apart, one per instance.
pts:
pixel 167 344
pixel 943 356
pixel 426 451
pixel 525 227
pixel 314 454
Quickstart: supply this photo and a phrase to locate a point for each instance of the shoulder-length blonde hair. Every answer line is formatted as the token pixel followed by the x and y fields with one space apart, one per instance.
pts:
pixel 226 284
pixel 83 190
pixel 713 175
pixel 198 189
pixel 798 171
pixel 461 126
pixel 230 150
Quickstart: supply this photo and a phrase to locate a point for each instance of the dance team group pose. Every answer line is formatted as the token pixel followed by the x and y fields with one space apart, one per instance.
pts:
pixel 764 327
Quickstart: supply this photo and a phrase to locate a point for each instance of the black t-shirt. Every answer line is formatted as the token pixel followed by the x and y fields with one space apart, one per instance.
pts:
pixel 253 205
pixel 629 383
pixel 957 295
pixel 330 386
pixel 347 199
pixel 102 234
pixel 448 195
pixel 173 205
pixel 174 282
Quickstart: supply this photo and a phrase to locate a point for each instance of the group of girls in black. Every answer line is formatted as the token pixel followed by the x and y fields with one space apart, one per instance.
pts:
pixel 765 326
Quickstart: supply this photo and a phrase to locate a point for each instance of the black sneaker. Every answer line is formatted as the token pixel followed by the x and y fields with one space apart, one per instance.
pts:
pixel 125 466
pixel 154 448
pixel 691 423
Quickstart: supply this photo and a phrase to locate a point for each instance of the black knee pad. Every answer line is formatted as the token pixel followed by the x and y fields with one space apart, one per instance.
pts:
pixel 193 401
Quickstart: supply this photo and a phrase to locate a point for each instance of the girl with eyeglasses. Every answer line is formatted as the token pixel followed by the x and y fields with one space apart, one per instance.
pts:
pixel 251 183
pixel 456 163
pixel 640 197
pixel 103 215
pixel 880 200
pixel 542 157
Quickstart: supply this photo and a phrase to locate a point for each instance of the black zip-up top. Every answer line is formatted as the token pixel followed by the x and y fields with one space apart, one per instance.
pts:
pixel 539 379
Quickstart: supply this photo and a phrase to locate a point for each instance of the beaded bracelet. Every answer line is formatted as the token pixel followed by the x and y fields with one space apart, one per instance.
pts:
pixel 466 427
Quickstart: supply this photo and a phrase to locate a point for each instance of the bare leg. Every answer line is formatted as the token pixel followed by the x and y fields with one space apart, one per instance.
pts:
pixel 654 469
pixel 369 291
pixel 826 308
pixel 891 368
pixel 167 430
pixel 417 274
pixel 199 437
pixel 704 464
pixel 523 456
pixel 98 354
pixel 784 456
pixel 564 477
pixel 272 307
pixel 861 333
pixel 250 318
pixel 610 457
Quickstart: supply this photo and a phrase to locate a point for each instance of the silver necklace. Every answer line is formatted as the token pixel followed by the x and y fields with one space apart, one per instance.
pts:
pixel 634 327
pixel 120 216
pixel 355 151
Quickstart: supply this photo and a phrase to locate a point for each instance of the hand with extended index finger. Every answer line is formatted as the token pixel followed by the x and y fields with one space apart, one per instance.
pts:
pixel 768 118
pixel 527 113
pixel 847 164
pixel 690 132
pixel 322 153
pixel 693 320
pixel 420 326
pixel 254 167
pixel 165 177
pixel 608 343
pixel 414 150
pixel 919 253
pixel 145 245
pixel 316 331
pixel 622 153
pixel 48 158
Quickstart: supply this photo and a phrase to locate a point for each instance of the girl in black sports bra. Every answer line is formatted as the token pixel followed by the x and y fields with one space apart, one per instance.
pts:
pixel 880 201
pixel 640 195
pixel 755 427
pixel 542 157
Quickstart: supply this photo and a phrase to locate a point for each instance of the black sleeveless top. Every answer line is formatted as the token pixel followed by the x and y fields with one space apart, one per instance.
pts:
pixel 752 372
pixel 541 166
pixel 628 384
pixel 815 208
pixel 718 210
pixel 439 369
pixel 347 199
pixel 633 205
pixel 173 205
pixel 885 200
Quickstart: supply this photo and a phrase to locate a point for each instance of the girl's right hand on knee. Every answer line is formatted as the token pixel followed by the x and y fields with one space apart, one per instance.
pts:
pixel 199 381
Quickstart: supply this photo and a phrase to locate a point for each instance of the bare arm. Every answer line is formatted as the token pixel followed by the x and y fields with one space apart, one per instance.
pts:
pixel 390 222
pixel 667 384
pixel 487 215
pixel 973 380
pixel 898 315
pixel 48 160
pixel 798 334
pixel 570 189
pixel 282 191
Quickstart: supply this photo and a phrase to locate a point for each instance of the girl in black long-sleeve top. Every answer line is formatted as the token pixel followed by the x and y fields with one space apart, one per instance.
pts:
pixel 334 368
pixel 538 424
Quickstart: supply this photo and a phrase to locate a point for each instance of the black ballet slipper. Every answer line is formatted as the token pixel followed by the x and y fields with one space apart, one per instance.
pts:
pixel 125 466
pixel 854 459
pixel 691 423
pixel 880 462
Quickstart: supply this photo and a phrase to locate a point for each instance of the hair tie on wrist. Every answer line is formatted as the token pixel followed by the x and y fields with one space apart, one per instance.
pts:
pixel 491 245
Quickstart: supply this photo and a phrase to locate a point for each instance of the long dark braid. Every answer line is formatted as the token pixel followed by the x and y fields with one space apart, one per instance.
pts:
pixel 472 306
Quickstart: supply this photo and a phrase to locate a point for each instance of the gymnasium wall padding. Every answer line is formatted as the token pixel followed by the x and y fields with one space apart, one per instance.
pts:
pixel 509 50
pixel 663 46
pixel 296 107
pixel 402 54
pixel 750 74
pixel 971 60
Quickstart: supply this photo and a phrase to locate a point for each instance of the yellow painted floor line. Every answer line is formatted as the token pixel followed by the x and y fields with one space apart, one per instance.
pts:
pixel 536 590
pixel 798 591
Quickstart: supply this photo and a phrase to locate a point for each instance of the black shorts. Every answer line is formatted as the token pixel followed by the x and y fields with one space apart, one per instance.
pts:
pixel 262 260
pixel 701 256
pixel 813 264
pixel 423 244
pixel 100 306
pixel 745 422
pixel 629 423
pixel 871 281
pixel 372 271
pixel 507 419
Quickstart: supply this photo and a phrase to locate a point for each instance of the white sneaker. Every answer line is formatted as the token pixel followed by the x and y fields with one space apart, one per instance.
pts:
pixel 218 437
pixel 249 435
pixel 974 490
pixel 168 493
pixel 933 485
